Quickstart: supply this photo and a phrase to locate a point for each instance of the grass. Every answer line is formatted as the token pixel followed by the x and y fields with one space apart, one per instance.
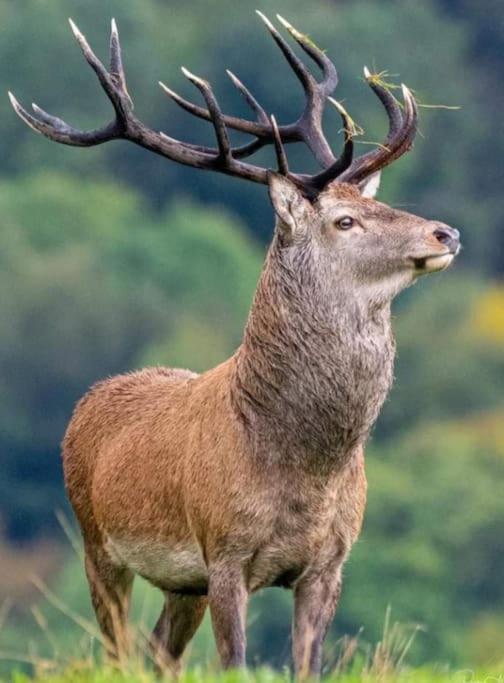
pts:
pixel 80 674
pixel 352 662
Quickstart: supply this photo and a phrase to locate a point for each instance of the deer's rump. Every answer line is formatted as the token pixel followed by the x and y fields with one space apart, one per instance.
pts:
pixel 123 457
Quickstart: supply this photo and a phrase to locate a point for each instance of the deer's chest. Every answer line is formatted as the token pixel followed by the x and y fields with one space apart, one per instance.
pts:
pixel 308 529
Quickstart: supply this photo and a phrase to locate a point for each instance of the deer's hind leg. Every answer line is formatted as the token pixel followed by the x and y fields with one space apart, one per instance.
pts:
pixel 177 624
pixel 110 587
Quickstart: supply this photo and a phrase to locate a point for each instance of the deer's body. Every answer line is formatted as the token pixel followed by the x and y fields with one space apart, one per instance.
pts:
pixel 168 497
pixel 251 475
pixel 260 458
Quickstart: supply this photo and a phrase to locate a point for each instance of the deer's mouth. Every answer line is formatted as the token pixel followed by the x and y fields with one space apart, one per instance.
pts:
pixel 433 262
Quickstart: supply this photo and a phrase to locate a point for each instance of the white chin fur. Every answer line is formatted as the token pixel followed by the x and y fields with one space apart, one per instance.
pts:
pixel 435 263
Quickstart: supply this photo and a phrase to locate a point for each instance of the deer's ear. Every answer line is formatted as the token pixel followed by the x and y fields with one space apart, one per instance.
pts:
pixel 369 186
pixel 290 206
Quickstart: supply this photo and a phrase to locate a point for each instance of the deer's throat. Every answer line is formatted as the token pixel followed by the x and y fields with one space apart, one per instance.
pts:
pixel 311 376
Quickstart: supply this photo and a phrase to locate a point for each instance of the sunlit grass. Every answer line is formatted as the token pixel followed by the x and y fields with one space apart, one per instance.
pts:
pixel 352 662
pixel 78 674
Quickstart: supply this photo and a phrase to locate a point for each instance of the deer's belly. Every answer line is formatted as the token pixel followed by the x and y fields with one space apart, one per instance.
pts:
pixel 174 567
pixel 276 567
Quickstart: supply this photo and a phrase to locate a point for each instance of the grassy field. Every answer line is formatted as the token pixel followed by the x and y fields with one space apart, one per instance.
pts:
pixel 105 675
pixel 384 662
pixel 349 660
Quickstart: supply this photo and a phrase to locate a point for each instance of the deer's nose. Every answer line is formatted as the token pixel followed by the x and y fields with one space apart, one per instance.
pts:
pixel 450 237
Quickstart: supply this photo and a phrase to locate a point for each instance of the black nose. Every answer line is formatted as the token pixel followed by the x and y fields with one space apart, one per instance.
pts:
pixel 448 236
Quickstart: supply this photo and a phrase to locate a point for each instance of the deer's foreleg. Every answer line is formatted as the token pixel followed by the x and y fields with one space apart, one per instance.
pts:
pixel 227 596
pixel 315 601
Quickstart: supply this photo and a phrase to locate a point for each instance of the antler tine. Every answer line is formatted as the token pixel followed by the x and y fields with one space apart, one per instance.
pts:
pixel 410 121
pixel 399 140
pixel 116 64
pixel 242 125
pixel 102 73
pixel 307 80
pixel 58 130
pixel 345 159
pixel 218 118
pixel 309 125
pixel 193 109
pixel 316 183
pixel 389 102
pixel 215 113
pixel 88 53
pixel 330 81
pixel 283 164
pixel 262 117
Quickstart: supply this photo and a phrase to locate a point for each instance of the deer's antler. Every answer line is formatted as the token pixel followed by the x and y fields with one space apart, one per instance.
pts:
pixel 224 158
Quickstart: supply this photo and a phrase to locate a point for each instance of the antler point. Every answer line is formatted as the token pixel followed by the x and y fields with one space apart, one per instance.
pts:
pixel 74 27
pixel 290 28
pixel 265 19
pixel 192 77
pixel 407 94
pixel 337 104
pixel 167 90
pixel 234 78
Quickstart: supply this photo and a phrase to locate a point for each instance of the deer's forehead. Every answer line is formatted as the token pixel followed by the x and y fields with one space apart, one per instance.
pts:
pixel 340 192
pixel 344 196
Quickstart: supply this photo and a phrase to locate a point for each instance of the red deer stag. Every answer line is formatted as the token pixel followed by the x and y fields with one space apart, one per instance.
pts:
pixel 250 475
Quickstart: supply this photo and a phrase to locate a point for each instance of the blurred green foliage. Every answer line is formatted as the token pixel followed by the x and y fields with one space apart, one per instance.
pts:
pixel 112 259
pixel 95 283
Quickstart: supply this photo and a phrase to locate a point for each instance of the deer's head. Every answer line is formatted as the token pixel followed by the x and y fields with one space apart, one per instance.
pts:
pixel 355 242
pixel 332 214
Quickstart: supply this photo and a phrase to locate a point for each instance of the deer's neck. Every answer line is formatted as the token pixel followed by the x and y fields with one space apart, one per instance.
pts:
pixel 314 368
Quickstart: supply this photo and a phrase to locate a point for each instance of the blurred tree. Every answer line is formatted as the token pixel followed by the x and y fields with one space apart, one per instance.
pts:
pixel 485 32
pixel 430 546
pixel 89 283
pixel 450 359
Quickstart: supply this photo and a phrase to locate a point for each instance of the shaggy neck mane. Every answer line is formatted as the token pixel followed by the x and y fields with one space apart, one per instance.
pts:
pixel 314 367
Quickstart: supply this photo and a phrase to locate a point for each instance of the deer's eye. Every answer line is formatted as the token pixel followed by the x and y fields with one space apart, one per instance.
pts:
pixel 345 223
